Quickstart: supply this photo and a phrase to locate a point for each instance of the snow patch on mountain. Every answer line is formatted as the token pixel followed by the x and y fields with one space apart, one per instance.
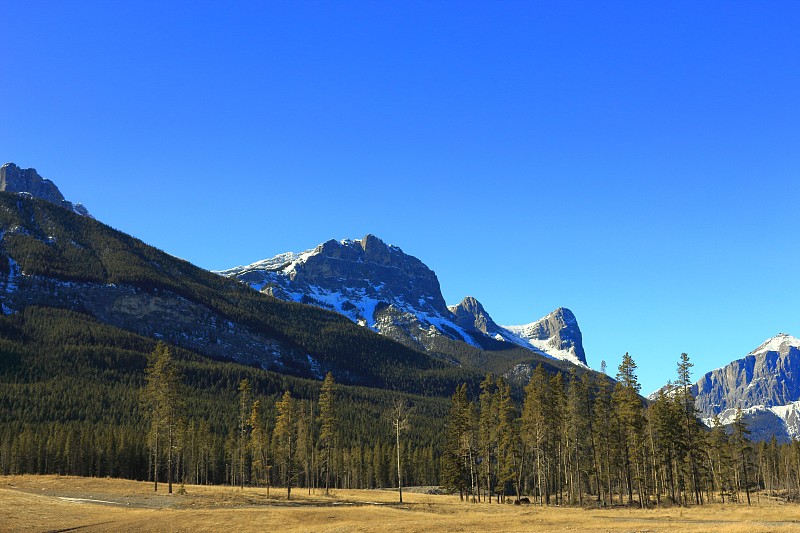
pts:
pixel 779 344
pixel 789 415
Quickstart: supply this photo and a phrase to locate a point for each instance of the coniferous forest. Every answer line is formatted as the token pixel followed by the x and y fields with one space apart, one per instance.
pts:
pixel 79 397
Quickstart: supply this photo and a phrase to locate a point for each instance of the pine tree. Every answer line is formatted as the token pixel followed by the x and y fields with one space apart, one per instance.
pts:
pixel 245 410
pixel 511 454
pixel 161 399
pixel 691 429
pixel 536 429
pixel 487 431
pixel 259 443
pixel 720 458
pixel 327 420
pixel 740 442
pixel 629 410
pixel 285 437
pixel 457 466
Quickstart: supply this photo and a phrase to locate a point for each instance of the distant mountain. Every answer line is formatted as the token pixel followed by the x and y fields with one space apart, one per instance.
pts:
pixel 28 181
pixel 378 286
pixel 765 384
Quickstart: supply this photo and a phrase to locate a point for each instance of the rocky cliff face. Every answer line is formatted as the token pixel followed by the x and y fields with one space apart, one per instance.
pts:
pixel 28 181
pixel 470 314
pixel 379 286
pixel 768 376
pixel 765 385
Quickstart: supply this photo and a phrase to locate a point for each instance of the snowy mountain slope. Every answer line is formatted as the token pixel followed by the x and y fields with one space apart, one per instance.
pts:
pixel 765 384
pixel 557 334
pixel 380 287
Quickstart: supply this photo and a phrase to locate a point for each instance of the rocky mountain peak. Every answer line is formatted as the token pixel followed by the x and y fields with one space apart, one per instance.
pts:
pixel 470 314
pixel 28 181
pixel 381 287
pixel 349 276
pixel 557 332
pixel 375 250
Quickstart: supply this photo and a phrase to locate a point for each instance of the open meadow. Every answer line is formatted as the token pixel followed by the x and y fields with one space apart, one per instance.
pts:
pixel 54 503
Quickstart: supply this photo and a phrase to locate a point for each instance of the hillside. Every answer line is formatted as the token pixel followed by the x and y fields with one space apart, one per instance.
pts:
pixel 69 400
pixel 52 257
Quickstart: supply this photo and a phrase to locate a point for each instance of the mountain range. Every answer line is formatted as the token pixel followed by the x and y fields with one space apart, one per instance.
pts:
pixel 363 309
pixel 54 255
pixel 380 287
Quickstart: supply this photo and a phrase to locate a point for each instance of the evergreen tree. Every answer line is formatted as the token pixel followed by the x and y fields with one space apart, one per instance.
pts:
pixel 457 466
pixel 740 442
pixel 487 432
pixel 327 420
pixel 629 410
pixel 511 454
pixel 285 439
pixel 161 399
pixel 536 429
pixel 245 411
pixel 692 435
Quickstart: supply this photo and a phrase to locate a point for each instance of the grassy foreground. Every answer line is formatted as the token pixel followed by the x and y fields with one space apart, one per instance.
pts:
pixel 52 503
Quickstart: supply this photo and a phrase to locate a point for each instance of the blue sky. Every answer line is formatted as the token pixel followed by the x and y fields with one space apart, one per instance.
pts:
pixel 637 162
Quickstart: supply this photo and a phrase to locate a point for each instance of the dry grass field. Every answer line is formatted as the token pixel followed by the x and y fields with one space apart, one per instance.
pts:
pixel 52 503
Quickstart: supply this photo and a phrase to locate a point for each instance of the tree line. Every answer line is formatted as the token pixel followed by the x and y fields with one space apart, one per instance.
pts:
pixel 590 439
pixel 71 403
pixel 296 443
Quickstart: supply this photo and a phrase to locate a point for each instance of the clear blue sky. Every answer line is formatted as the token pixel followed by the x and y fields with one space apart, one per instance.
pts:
pixel 637 162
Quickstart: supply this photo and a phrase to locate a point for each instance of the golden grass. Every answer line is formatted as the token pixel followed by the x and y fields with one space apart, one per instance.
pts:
pixel 38 503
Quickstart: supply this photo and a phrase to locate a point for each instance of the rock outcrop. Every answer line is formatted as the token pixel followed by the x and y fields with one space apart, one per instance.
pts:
pixel 28 181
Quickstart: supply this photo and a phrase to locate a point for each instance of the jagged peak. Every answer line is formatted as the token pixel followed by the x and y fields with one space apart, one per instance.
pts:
pixel 26 181
pixel 369 240
pixel 469 303
pixel 562 313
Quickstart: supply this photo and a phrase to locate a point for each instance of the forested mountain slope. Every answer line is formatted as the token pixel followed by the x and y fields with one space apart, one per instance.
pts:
pixel 50 256
pixel 70 402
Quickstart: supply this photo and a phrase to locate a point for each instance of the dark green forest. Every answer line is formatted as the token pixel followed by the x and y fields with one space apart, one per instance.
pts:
pixel 70 403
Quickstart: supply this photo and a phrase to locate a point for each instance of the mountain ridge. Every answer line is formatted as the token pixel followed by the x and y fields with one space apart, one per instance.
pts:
pixel 28 181
pixel 378 286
